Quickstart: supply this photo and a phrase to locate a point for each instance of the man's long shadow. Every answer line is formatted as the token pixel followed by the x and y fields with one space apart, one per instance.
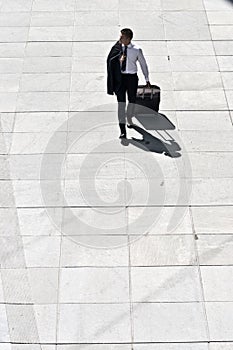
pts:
pixel 150 143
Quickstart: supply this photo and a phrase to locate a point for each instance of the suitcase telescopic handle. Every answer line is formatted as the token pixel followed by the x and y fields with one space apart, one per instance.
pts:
pixel 143 92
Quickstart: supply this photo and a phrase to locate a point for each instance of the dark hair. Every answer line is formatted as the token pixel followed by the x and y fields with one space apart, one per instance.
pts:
pixel 127 32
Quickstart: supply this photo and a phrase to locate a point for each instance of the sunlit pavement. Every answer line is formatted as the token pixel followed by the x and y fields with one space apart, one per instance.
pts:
pixel 107 244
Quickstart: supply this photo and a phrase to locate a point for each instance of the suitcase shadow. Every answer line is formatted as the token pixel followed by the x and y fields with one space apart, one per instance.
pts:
pixel 150 143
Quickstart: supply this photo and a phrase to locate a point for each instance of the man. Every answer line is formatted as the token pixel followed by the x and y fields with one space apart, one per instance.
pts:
pixel 122 75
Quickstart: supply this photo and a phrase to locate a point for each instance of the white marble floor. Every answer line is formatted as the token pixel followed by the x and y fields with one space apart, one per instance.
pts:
pixel 106 245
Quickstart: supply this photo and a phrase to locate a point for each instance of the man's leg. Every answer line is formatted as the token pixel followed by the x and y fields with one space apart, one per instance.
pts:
pixel 121 98
pixel 132 85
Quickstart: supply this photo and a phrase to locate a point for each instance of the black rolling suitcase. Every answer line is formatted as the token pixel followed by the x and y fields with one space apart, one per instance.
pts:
pixel 148 97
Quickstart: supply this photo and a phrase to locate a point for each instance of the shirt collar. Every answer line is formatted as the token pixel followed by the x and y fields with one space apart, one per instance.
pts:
pixel 128 46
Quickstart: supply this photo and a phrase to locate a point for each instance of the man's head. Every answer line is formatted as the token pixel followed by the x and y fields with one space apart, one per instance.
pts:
pixel 126 36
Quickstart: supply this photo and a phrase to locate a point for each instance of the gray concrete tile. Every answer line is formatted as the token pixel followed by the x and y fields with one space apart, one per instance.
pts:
pixel 6 194
pixel 27 193
pixel 173 346
pixel 96 18
pixel 96 5
pixel 229 95
pixel 95 250
pixel 94 142
pixel 215 191
pixel 50 33
pixel 88 64
pixel 53 19
pixel 215 279
pixel 14 19
pixel 8 101
pixel 158 221
pixel 41 251
pixel 223 32
pixel 16 6
pixel 200 81
pixel 28 167
pixel 93 33
pixel 94 221
pixel 8 215
pixel 12 252
pixel 210 164
pixel 219 17
pixel 203 120
pixel 88 82
pixel 100 323
pixel 184 18
pixel 9 82
pixel 220 346
pixel 14 34
pixel 40 319
pixel 187 48
pixel 223 47
pixel 45 82
pixel 101 192
pixel 6 122
pixel 194 64
pixel 215 250
pixel 11 50
pixel 165 284
pixel 81 101
pixel 227 78
pixel 213 220
pixel 94 285
pixel 11 65
pixel 32 142
pixel 170 5
pixel 4 332
pixel 139 18
pixel 47 65
pixel 188 32
pixel 48 5
pixel 42 101
pixel 150 5
pixel 5 142
pixel 39 221
pixel 158 64
pixel 49 49
pixel 88 166
pixel 94 347
pixel 200 100
pixel 40 122
pixel 209 140
pixel 91 120
pixel 151 251
pixel 37 285
pixel 219 317
pixel 225 63
pixel 152 323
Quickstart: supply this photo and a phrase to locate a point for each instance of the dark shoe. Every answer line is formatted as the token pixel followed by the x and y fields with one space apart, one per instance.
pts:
pixel 130 126
pixel 122 136
pixel 123 131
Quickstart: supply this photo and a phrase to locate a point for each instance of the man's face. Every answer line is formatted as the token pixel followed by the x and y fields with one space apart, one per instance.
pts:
pixel 124 39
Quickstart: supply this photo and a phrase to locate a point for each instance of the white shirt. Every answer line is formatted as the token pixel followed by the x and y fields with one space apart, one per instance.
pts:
pixel 134 54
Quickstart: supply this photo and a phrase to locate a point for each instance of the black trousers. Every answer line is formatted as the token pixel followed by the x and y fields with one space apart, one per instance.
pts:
pixel 129 85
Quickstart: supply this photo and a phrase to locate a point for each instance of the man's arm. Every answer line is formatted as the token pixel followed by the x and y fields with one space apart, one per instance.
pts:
pixel 143 65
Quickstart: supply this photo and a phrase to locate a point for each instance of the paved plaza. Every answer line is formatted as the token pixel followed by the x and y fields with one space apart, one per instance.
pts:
pixel 108 244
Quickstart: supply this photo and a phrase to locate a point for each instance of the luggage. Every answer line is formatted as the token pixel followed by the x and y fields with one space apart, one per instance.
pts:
pixel 148 97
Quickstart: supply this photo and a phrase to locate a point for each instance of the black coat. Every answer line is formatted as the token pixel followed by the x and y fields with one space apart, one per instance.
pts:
pixel 114 69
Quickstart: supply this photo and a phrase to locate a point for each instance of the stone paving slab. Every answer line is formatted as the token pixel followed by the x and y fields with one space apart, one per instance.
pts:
pixel 105 245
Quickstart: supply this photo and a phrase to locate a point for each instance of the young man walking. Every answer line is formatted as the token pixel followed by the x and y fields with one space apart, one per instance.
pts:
pixel 122 76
